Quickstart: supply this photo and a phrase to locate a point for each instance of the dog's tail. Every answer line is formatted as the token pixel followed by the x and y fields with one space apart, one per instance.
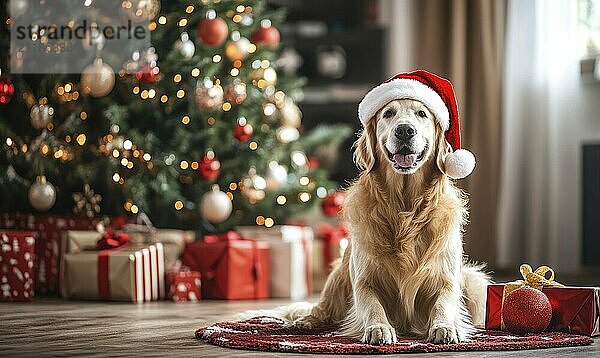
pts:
pixel 287 313
pixel 475 282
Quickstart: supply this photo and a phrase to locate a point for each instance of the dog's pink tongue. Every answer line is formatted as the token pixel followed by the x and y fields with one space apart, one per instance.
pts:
pixel 405 161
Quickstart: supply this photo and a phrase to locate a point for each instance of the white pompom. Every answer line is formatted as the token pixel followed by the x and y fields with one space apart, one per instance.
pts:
pixel 459 164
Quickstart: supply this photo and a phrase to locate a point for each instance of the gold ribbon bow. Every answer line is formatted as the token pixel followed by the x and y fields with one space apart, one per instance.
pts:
pixel 534 279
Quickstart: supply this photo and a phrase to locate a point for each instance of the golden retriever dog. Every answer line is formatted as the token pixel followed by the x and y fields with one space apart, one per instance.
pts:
pixel 404 273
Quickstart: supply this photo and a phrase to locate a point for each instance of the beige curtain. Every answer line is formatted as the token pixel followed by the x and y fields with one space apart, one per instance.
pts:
pixel 462 40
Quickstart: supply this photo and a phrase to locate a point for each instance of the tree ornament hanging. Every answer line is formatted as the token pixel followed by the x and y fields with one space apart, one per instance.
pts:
pixel 263 77
pixel 252 186
pixel 185 46
pixel 215 205
pixel 266 34
pixel 87 203
pixel 235 92
pixel 242 130
pixel 287 134
pixel 276 175
pixel 238 48
pixel 212 30
pixel 209 167
pixel 290 114
pixel 97 79
pixel 140 10
pixel 41 115
pixel 148 74
pixel 333 203
pixel 18 8
pixel 208 95
pixel 7 90
pixel 42 194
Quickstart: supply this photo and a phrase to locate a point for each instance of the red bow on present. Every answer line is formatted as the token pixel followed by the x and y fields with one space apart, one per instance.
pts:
pixel 226 236
pixel 111 240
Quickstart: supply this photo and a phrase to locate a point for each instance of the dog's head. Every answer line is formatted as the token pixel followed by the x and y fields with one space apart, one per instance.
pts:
pixel 403 135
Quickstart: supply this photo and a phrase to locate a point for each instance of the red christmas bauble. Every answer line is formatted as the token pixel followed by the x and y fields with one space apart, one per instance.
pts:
pixel 209 168
pixel 333 203
pixel 147 74
pixel 313 162
pixel 266 35
pixel 213 32
pixel 7 89
pixel 526 310
pixel 243 132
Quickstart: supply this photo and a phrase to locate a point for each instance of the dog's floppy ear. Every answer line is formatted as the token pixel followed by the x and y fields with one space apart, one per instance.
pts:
pixel 365 147
pixel 442 149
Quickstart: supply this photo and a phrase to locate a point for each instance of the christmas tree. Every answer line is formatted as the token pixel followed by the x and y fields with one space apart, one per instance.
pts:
pixel 200 129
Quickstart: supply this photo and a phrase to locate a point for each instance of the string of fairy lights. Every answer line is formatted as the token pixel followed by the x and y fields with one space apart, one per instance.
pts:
pixel 209 94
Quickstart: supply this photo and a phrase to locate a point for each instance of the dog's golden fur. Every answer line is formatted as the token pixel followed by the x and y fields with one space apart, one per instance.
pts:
pixel 404 271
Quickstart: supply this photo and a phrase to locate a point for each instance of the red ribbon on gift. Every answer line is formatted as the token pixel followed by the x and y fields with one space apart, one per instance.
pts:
pixel 331 236
pixel 111 240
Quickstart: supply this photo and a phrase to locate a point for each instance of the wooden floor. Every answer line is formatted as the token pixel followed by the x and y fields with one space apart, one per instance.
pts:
pixel 52 327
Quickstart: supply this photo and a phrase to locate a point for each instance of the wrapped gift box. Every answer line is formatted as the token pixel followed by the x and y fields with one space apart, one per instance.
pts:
pixel 127 273
pixel 17 265
pixel 291 258
pixel 173 242
pixel 329 245
pixel 575 310
pixel 49 229
pixel 184 284
pixel 231 267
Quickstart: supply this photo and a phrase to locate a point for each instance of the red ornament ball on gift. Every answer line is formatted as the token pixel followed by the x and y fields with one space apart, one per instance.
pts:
pixel 213 32
pixel 526 310
pixel 7 89
pixel 147 74
pixel 243 132
pixel 333 203
pixel 209 167
pixel 266 35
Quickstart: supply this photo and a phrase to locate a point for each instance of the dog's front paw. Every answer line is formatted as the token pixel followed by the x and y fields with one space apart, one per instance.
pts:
pixel 379 334
pixel 308 322
pixel 444 333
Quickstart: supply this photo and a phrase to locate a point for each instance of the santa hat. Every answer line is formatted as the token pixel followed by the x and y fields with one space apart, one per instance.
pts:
pixel 437 95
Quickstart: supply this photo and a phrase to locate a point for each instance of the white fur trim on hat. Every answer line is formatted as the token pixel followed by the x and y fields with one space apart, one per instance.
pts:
pixel 459 164
pixel 403 88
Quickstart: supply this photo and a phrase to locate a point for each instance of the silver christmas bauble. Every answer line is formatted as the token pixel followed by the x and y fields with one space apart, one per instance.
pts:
pixel 17 8
pixel 41 115
pixel 215 205
pixel 185 46
pixel 97 79
pixel 209 96
pixel 42 194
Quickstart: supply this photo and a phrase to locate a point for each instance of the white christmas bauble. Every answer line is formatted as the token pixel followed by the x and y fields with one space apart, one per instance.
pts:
pixel 208 95
pixel 287 134
pixel 18 7
pixel 41 116
pixel 276 175
pixel 185 46
pixel 291 115
pixel 42 194
pixel 237 49
pixel 97 79
pixel 215 205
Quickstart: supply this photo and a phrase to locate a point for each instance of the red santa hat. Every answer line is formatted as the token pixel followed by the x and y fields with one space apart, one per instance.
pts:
pixel 437 94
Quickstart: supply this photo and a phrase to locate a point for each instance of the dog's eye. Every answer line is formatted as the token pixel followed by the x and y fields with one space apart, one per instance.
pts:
pixel 389 113
pixel 422 114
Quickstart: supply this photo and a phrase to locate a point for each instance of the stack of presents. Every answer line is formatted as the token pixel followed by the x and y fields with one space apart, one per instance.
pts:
pixel 81 258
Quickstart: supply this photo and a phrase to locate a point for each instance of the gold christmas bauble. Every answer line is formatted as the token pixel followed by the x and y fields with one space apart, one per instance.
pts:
pixel 42 194
pixel 97 79
pixel 263 77
pixel 215 205
pixel 208 95
pixel 252 186
pixel 235 92
pixel 237 50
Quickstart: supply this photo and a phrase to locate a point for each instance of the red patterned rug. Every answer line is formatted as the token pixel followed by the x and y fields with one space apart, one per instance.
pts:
pixel 274 335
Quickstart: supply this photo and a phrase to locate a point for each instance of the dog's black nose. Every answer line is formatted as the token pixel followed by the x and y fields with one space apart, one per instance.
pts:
pixel 404 132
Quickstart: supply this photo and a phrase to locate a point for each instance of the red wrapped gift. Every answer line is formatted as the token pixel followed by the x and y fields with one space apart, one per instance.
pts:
pixel 17 269
pixel 231 267
pixel 183 283
pixel 329 246
pixel 575 310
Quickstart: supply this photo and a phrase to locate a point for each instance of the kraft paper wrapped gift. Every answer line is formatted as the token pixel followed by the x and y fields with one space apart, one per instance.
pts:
pixel 132 273
pixel 17 268
pixel 173 242
pixel 291 258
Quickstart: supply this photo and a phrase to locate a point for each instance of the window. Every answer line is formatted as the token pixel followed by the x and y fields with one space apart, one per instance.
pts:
pixel 589 27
